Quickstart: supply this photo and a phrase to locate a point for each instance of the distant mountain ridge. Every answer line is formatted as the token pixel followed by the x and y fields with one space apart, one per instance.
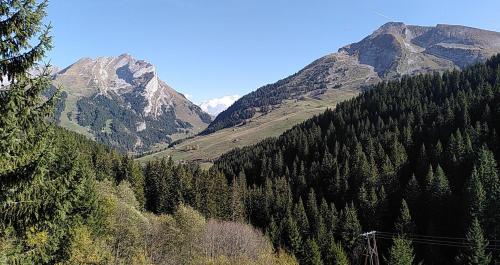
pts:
pixel 393 50
pixel 121 101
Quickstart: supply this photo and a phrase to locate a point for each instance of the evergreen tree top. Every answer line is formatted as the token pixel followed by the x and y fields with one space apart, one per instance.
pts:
pixel 21 26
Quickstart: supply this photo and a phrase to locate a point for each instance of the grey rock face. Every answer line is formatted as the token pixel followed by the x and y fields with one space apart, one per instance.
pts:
pixel 396 49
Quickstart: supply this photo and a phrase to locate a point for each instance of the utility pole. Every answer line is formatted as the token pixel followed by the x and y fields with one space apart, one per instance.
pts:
pixel 371 252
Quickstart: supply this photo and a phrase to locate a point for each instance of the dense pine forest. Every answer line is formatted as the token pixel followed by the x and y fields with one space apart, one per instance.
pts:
pixel 96 112
pixel 415 159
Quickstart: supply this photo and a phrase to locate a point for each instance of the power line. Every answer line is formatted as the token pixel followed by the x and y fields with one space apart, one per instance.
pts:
pixel 434 237
pixel 440 242
pixel 371 252
pixel 457 240
pixel 443 244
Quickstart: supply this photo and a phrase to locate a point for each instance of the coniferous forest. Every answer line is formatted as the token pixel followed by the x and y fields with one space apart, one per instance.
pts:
pixel 415 160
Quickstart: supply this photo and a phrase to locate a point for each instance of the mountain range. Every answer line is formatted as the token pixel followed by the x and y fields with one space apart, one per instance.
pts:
pixel 121 101
pixel 390 52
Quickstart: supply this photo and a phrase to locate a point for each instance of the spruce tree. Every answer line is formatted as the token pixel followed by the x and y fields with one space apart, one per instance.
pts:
pixel 151 186
pixel 323 236
pixel 24 134
pixel 131 171
pixel 475 253
pixel 184 188
pixel 368 206
pixel 388 172
pixel 488 174
pixel 46 189
pixel 293 240
pixel 476 196
pixel 401 252
pixel 487 168
pixel 312 254
pixel 334 218
pixel 429 179
pixel 301 218
pixel 350 229
pixel 274 233
pixel 218 197
pixel 336 255
pixel 412 190
pixel 422 161
pixel 440 188
pixel 397 153
pixel 404 224
pixel 438 151
pixel 312 212
pixel 237 203
pixel 324 211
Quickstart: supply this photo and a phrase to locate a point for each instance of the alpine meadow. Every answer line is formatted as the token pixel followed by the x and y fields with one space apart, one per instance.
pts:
pixel 384 152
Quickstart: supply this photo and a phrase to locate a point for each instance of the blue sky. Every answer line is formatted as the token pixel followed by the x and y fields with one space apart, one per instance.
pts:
pixel 210 49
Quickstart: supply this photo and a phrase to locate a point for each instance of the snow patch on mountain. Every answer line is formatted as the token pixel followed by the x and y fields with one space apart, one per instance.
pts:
pixel 217 105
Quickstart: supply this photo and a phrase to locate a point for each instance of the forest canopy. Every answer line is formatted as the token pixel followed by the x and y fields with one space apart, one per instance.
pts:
pixel 415 159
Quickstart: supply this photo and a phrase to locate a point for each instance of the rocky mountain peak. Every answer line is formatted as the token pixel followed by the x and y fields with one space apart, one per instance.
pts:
pixel 125 76
pixel 120 100
pixel 391 28
pixel 396 49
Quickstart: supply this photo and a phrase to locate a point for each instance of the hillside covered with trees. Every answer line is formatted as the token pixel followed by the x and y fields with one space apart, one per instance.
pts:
pixel 415 159
pixel 65 199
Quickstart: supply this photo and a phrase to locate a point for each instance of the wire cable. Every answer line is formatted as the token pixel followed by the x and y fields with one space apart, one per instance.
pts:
pixel 430 237
pixel 461 244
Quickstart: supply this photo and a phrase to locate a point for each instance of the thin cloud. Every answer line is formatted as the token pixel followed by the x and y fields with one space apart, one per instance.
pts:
pixel 382 15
